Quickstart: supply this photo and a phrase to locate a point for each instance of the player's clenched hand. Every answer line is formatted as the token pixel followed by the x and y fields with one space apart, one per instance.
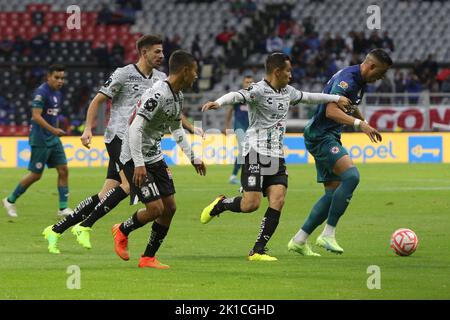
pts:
pixel 210 105
pixel 139 176
pixel 199 166
pixel 86 138
pixel 344 104
pixel 59 132
pixel 373 133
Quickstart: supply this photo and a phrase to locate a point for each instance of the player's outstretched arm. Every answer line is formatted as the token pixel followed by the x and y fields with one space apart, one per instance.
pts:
pixel 191 128
pixel 229 98
pixel 314 98
pixel 91 115
pixel 334 113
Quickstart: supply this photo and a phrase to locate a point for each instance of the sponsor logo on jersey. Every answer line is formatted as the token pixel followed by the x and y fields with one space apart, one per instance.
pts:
pixel 134 78
pixel 55 99
pixel 39 165
pixel 343 85
pixel 53 112
pixel 38 97
pixel 334 150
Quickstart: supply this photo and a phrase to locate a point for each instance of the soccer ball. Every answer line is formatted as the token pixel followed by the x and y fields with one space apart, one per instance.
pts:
pixel 404 242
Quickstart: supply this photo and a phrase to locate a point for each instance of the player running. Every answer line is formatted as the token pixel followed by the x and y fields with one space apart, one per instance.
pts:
pixel 159 110
pixel 264 172
pixel 334 166
pixel 125 86
pixel 46 146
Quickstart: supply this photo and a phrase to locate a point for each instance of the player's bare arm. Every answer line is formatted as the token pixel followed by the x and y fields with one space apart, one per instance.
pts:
pixel 92 112
pixel 190 127
pixel 334 113
pixel 182 141
pixel 37 117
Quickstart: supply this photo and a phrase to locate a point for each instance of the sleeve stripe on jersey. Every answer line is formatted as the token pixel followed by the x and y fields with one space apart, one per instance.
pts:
pixel 245 101
pixel 100 91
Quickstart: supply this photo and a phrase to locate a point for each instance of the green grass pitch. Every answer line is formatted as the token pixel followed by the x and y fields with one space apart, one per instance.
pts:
pixel 209 261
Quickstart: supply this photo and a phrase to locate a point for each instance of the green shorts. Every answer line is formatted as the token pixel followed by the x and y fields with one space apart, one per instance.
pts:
pixel 326 152
pixel 51 156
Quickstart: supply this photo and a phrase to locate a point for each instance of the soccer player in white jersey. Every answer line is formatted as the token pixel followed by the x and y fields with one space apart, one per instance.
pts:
pixel 124 87
pixel 264 172
pixel 158 111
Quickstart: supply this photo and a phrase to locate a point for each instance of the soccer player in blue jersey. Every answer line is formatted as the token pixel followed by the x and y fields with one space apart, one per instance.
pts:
pixel 240 126
pixel 334 167
pixel 46 147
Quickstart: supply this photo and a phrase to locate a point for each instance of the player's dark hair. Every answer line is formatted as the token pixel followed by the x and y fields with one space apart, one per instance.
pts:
pixel 381 56
pixel 55 68
pixel 276 60
pixel 180 59
pixel 247 76
pixel 147 41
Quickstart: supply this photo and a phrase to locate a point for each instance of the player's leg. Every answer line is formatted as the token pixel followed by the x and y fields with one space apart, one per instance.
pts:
pixel 160 228
pixel 349 176
pixel 150 195
pixel 319 212
pixel 111 199
pixel 36 167
pixel 57 159
pixel 251 182
pixel 87 205
pixel 276 195
pixel 63 190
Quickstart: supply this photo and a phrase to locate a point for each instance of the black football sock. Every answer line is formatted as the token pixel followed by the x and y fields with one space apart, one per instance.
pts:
pixel 81 212
pixel 131 224
pixel 268 226
pixel 111 199
pixel 157 236
pixel 231 204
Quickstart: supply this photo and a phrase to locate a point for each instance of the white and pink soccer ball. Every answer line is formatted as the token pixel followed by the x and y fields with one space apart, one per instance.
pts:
pixel 404 242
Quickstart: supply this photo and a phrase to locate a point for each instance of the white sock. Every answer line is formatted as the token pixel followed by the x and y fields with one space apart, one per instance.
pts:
pixel 300 237
pixel 329 231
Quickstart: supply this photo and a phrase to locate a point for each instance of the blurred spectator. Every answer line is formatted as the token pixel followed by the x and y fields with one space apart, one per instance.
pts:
pixel 117 54
pixel 308 26
pixel 6 47
pixel 196 49
pixel 40 45
pixel 104 16
pixel 102 55
pixel 387 42
pixel 20 46
pixel 413 87
pixel 385 87
pixel 399 86
pixel 225 36
pixel 274 43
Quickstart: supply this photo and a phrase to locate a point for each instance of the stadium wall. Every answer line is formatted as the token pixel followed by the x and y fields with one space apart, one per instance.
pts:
pixel 220 149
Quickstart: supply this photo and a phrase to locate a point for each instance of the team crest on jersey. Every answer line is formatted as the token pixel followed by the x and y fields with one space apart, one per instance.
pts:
pixel 343 85
pixel 334 150
pixel 150 104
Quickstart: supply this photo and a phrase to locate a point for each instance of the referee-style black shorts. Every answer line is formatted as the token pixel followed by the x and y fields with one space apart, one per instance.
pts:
pixel 158 184
pixel 260 172
pixel 114 148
